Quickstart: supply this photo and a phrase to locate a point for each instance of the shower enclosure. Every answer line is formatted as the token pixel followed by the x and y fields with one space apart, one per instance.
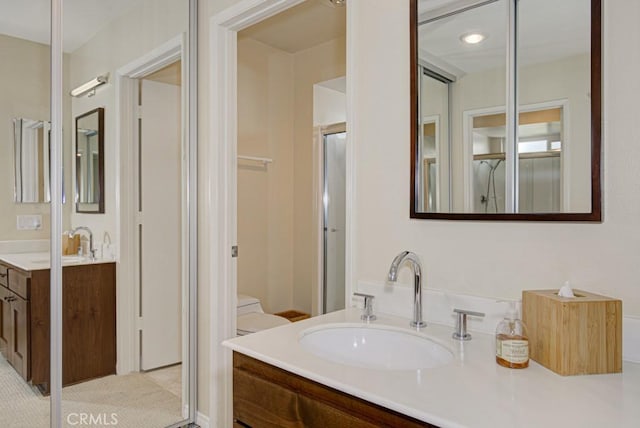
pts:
pixel 334 140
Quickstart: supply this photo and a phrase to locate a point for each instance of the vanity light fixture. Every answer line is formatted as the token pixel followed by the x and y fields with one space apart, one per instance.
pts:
pixel 90 86
pixel 473 38
pixel 339 2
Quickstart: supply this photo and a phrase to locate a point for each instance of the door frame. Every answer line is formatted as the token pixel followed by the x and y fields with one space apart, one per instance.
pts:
pixel 128 285
pixel 220 197
pixel 565 159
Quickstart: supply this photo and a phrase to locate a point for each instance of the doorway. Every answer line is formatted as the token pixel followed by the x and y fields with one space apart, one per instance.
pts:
pixel 222 159
pixel 156 316
pixel 289 84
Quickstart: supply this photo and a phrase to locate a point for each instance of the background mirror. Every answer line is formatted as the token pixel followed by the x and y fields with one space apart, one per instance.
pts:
pixel 90 162
pixel 31 149
pixel 465 160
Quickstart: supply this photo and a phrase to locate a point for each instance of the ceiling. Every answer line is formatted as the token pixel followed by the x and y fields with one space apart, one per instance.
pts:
pixel 31 19
pixel 548 30
pixel 425 6
pixel 301 27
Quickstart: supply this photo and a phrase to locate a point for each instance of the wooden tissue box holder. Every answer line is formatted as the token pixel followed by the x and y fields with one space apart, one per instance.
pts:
pixel 574 336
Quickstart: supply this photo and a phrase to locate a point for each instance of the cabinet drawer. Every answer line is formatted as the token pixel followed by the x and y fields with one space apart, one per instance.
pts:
pixel 4 273
pixel 19 283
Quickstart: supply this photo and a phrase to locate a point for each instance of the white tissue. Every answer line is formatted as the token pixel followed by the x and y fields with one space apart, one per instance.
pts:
pixel 565 290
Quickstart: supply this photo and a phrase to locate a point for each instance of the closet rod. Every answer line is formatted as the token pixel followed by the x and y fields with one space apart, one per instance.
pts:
pixel 256 159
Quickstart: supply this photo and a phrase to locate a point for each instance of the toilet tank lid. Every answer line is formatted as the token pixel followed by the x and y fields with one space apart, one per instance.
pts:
pixel 254 322
pixel 244 300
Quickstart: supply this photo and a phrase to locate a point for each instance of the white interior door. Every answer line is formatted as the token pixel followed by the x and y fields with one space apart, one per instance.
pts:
pixel 159 228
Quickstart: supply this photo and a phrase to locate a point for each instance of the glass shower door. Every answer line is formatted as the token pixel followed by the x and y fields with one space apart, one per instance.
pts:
pixel 334 199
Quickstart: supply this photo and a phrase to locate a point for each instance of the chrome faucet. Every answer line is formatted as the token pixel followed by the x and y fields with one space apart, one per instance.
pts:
pixel 413 259
pixel 92 251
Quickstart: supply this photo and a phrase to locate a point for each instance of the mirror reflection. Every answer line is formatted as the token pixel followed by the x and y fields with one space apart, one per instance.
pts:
pixel 31 149
pixel 476 155
pixel 90 162
pixel 126 319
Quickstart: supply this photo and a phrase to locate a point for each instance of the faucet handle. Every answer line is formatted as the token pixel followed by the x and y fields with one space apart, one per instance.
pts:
pixel 461 323
pixel 367 314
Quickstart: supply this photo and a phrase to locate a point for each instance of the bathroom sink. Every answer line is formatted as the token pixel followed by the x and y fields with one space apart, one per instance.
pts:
pixel 72 259
pixel 65 260
pixel 374 347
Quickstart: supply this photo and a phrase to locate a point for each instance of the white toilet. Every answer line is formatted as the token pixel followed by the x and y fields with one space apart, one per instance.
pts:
pixel 251 316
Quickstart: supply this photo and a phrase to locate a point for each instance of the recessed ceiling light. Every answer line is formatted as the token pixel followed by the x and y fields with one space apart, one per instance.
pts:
pixel 473 38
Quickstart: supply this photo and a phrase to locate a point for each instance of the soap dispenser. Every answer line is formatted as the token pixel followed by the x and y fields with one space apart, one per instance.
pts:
pixel 512 341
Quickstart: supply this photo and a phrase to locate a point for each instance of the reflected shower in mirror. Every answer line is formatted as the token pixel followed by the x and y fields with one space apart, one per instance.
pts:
pixel 497 138
pixel 90 162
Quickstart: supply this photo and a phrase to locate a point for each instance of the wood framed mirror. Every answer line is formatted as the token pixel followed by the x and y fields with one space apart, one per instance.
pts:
pixel 89 162
pixel 506 110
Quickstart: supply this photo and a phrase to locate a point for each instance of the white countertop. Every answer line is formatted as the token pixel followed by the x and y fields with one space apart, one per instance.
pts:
pixel 39 261
pixel 472 391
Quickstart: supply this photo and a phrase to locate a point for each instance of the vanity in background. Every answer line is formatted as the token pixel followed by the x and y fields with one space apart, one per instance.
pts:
pixel 88 321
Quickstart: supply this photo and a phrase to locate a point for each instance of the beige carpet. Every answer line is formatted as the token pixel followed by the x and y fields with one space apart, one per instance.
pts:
pixel 135 401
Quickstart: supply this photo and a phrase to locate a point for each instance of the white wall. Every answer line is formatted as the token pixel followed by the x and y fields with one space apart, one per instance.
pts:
pixel 329 106
pixel 492 259
pixel 24 85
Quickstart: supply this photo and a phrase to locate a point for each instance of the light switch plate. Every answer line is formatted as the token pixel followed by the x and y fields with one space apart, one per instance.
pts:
pixel 29 222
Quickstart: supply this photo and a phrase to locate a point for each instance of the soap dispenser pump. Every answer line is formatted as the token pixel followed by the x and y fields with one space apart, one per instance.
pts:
pixel 512 340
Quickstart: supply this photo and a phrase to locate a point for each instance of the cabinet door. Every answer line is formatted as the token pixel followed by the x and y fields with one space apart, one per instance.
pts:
pixel 20 345
pixel 5 321
pixel 4 275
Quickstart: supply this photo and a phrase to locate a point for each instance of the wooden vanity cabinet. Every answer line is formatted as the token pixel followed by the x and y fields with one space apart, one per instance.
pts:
pixel 266 396
pixel 5 319
pixel 19 344
pixel 88 322
pixel 4 275
pixel 5 310
pixel 14 322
